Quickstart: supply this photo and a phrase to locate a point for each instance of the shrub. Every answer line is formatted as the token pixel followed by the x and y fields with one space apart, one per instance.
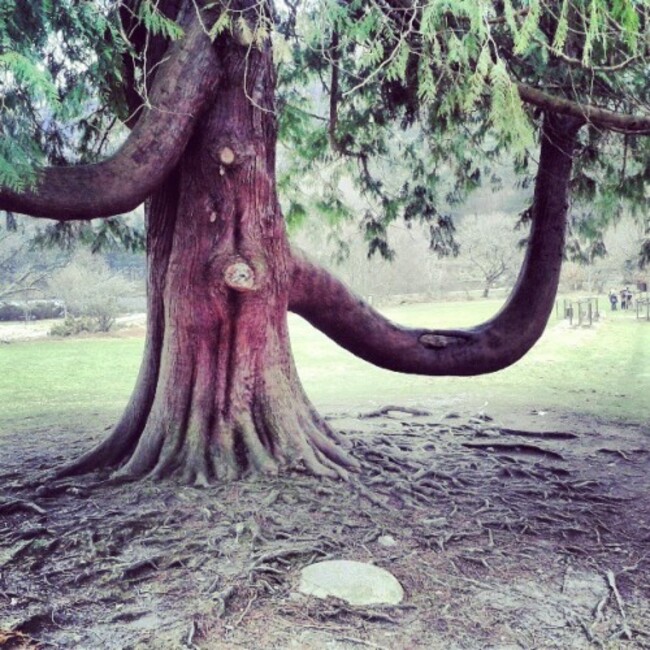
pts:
pixel 10 311
pixel 31 310
pixel 72 326
pixel 90 291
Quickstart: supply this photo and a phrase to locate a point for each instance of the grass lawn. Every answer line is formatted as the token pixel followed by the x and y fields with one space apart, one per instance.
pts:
pixel 602 371
pixel 56 381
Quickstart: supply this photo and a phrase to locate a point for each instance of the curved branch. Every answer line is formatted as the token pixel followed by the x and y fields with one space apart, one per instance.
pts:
pixel 185 83
pixel 330 306
pixel 150 49
pixel 595 115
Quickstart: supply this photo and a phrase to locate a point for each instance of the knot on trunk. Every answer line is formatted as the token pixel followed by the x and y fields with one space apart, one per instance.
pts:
pixel 438 341
pixel 229 153
pixel 239 276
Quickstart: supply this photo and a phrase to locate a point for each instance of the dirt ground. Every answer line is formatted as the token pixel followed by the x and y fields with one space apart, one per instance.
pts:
pixel 514 532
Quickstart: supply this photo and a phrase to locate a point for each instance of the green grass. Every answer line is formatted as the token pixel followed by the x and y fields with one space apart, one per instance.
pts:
pixel 56 381
pixel 602 372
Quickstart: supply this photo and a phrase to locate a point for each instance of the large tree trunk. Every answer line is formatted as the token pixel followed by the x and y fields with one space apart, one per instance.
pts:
pixel 218 395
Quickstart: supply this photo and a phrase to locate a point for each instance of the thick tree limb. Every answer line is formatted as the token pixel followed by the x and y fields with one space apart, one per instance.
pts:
pixel 595 115
pixel 150 48
pixel 331 307
pixel 184 84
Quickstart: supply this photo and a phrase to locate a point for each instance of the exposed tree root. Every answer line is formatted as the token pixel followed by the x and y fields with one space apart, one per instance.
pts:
pixel 467 526
pixel 266 439
pixel 390 409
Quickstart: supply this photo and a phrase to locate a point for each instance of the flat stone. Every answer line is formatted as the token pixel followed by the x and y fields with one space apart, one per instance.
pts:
pixel 358 583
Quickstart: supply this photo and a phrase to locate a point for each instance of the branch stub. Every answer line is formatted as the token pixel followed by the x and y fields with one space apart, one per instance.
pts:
pixel 239 276
pixel 437 341
pixel 226 156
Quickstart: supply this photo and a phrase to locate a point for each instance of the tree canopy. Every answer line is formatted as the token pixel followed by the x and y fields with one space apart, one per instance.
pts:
pixel 471 75
pixel 470 80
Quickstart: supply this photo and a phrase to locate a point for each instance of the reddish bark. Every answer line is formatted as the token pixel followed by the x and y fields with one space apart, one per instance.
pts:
pixel 218 394
pixel 160 216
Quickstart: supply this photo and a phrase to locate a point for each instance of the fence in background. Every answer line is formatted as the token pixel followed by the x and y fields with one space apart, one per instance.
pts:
pixel 580 312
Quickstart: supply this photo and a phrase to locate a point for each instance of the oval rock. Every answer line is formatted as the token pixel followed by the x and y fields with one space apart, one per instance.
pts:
pixel 358 583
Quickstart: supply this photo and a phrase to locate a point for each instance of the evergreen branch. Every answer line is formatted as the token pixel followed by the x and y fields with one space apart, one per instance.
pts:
pixel 616 67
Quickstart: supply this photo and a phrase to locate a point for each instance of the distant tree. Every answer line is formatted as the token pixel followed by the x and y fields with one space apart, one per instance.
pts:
pixel 622 243
pixel 492 246
pixel 23 270
pixel 195 82
pixel 606 253
pixel 88 288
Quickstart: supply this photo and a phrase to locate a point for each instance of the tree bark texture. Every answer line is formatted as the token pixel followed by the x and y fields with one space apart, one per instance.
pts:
pixel 218 396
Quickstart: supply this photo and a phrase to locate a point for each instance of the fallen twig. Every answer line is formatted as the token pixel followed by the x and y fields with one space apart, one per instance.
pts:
pixel 189 642
pixel 598 611
pixel 9 507
pixel 241 617
pixel 369 644
pixel 223 597
pixel 611 581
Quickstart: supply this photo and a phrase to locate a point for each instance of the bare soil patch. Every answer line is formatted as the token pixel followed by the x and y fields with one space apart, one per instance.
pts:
pixel 132 325
pixel 528 533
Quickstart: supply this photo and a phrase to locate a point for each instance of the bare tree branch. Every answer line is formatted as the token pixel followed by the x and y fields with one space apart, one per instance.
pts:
pixel 184 84
pixel 330 306
pixel 597 116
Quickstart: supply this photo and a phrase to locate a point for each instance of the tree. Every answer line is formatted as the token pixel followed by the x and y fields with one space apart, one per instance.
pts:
pixel 492 246
pixel 217 395
pixel 623 243
pixel 23 271
pixel 89 289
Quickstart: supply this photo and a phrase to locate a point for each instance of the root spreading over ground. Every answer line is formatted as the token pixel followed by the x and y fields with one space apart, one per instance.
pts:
pixel 508 537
